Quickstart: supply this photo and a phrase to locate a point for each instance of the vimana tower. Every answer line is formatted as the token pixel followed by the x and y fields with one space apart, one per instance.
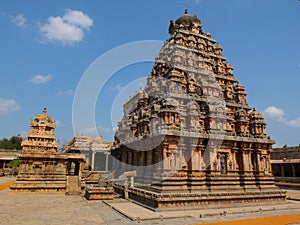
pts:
pixel 190 134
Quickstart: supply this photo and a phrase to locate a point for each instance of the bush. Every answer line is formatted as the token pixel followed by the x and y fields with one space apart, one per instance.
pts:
pixel 13 163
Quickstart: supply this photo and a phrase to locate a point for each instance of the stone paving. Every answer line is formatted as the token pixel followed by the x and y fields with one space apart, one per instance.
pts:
pixel 48 209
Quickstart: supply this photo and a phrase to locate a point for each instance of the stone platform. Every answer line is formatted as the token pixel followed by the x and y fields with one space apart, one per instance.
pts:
pixel 99 193
pixel 158 201
pixel 52 209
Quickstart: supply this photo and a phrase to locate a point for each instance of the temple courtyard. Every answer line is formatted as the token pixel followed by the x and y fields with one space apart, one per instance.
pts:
pixel 41 208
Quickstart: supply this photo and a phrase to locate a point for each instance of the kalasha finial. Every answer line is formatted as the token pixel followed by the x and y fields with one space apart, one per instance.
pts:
pixel 45 110
pixel 186 11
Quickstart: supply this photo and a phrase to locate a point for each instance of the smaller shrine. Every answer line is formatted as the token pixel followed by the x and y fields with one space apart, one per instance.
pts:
pixel 96 151
pixel 42 167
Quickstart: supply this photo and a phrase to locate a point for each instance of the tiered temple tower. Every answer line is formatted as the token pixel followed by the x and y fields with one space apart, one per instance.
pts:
pixel 41 136
pixel 42 168
pixel 190 134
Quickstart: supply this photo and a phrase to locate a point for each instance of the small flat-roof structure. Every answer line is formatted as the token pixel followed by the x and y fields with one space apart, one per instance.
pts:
pixel 286 166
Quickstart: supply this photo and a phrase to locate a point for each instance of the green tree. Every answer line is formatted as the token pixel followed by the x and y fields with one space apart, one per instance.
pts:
pixel 13 163
pixel 13 143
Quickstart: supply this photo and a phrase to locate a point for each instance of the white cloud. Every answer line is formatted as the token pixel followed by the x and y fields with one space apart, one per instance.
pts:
pixel 40 79
pixel 8 105
pixel 90 131
pixel 68 29
pixel 104 129
pixel 118 87
pixel 58 123
pixel 294 123
pixel 274 113
pixel 67 93
pixel 19 20
pixel 78 18
pixel 94 130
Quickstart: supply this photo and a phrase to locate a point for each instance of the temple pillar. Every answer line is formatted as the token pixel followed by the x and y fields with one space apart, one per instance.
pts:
pixel 258 162
pixel 81 165
pixel 149 158
pixel 200 159
pixel 144 159
pixel 166 159
pixel 293 170
pixel 93 161
pixel 129 157
pixel 134 161
pixel 246 160
pixel 195 160
pixel 172 158
pixel 233 161
pixel 106 161
pixel 282 170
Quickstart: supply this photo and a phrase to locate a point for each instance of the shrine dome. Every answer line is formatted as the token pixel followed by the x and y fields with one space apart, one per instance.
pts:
pixel 187 19
pixel 43 118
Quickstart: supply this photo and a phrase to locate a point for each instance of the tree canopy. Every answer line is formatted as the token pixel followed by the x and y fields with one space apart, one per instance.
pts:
pixel 13 163
pixel 13 143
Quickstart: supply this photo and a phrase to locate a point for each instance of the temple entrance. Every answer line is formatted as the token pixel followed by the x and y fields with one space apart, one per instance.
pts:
pixel 73 186
pixel 73 168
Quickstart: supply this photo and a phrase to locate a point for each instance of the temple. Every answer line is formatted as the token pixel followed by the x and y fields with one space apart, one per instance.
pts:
pixel 95 150
pixel 190 134
pixel 42 167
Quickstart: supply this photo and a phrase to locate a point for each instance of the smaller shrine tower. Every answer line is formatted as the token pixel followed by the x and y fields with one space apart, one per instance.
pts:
pixel 41 137
pixel 42 167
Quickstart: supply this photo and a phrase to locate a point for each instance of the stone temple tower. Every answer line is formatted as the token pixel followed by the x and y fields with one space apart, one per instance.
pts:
pixel 190 134
pixel 42 167
pixel 41 136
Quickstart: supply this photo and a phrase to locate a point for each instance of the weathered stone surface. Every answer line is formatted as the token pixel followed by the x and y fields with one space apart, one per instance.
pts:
pixel 99 193
pixel 95 150
pixel 191 129
pixel 42 168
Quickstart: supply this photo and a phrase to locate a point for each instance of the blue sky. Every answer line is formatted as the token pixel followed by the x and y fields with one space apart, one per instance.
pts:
pixel 46 47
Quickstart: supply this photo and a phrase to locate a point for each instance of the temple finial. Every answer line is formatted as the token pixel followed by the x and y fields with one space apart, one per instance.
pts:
pixel 45 110
pixel 185 11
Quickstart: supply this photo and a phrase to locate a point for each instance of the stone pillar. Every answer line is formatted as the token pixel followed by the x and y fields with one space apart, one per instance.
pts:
pixel 149 158
pixel 200 159
pixel 182 160
pixel 134 161
pixel 165 158
pixel 144 161
pixel 129 157
pixel 93 161
pixel 106 161
pixel 293 170
pixel 246 160
pixel 81 165
pixel 233 159
pixel 195 160
pixel 282 170
pixel 258 162
pixel 269 164
pixel 131 181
